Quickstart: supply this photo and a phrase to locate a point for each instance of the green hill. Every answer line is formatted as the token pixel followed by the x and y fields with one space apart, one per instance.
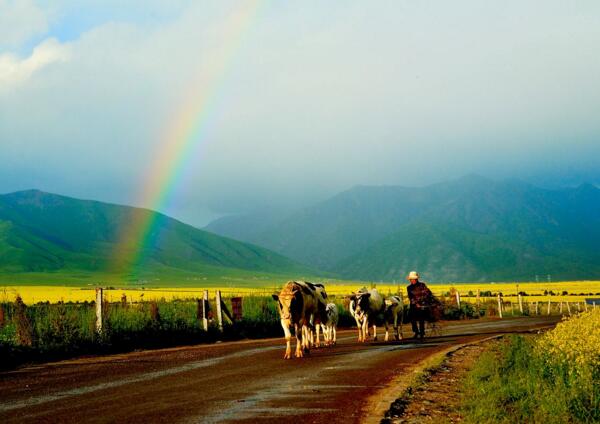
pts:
pixel 45 233
pixel 470 229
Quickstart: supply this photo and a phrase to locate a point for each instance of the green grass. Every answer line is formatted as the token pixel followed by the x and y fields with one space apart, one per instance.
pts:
pixel 208 277
pixel 78 240
pixel 511 383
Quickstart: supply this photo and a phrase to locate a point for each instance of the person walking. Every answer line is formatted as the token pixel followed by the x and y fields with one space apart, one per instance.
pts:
pixel 418 296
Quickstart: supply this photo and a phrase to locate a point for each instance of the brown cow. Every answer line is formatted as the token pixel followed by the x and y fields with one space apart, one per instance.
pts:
pixel 297 303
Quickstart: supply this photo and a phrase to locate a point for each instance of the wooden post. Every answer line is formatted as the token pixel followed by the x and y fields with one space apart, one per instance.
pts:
pixel 205 310
pixel 457 299
pixel 520 303
pixel 499 305
pixel 585 305
pixel 594 304
pixel 219 310
pixel 548 306
pixel 478 299
pixel 578 306
pixel 537 307
pixel 560 308
pixel 569 308
pixel 99 300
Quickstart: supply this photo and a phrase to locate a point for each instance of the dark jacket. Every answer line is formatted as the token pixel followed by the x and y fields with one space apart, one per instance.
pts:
pixel 419 295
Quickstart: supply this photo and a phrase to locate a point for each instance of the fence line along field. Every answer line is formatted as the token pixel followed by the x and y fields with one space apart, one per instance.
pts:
pixel 572 291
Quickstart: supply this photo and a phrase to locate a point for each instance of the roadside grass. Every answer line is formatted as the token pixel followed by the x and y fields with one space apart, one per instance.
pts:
pixel 45 332
pixel 51 331
pixel 514 383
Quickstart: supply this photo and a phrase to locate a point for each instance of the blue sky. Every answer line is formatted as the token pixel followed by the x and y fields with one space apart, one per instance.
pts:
pixel 320 96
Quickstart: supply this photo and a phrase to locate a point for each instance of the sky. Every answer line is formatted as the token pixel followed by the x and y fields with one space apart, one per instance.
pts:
pixel 313 98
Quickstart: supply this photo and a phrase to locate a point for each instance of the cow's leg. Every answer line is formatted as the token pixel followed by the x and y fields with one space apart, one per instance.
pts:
pixel 359 327
pixel 305 337
pixel 386 337
pixel 334 331
pixel 309 331
pixel 317 329
pixel 288 340
pixel 365 329
pixel 396 333
pixel 299 341
pixel 308 338
pixel 374 332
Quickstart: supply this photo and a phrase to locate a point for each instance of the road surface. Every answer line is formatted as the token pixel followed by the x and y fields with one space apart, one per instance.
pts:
pixel 245 381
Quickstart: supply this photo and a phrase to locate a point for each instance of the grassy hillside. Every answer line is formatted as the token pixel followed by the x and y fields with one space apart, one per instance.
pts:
pixel 471 229
pixel 49 234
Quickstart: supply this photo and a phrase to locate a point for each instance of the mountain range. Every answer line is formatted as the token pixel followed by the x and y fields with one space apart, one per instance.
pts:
pixel 470 229
pixel 43 232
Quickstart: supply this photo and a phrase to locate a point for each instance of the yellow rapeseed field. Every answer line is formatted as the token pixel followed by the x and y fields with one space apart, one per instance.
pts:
pixel 53 294
pixel 577 290
pixel 574 343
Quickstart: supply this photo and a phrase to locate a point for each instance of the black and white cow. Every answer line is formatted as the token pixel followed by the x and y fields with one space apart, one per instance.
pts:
pixel 365 307
pixel 320 316
pixel 394 310
pixel 329 324
pixel 299 304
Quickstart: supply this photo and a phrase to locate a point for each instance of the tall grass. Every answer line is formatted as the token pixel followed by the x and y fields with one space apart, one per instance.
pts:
pixel 514 383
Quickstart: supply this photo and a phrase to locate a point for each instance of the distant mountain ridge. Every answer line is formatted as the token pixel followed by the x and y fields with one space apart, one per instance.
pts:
pixel 470 229
pixel 42 232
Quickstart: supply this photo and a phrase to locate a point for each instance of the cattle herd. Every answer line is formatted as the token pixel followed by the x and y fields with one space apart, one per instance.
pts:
pixel 304 307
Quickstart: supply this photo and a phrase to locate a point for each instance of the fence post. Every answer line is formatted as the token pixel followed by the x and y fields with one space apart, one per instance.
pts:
pixel 585 305
pixel 478 298
pixel 560 308
pixel 594 304
pixel 578 306
pixel 99 300
pixel 537 307
pixel 457 299
pixel 569 308
pixel 520 303
pixel 548 306
pixel 219 310
pixel 205 310
pixel 499 305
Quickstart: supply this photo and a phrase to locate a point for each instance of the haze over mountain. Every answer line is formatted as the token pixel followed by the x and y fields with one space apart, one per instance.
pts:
pixel 41 232
pixel 469 229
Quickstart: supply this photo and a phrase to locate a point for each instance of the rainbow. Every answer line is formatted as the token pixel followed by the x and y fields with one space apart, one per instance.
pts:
pixel 183 137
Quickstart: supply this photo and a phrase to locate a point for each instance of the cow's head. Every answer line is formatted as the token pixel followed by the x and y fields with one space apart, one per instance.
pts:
pixel 361 304
pixel 289 302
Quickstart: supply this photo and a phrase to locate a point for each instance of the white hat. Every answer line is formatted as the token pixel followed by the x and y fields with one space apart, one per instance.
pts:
pixel 413 275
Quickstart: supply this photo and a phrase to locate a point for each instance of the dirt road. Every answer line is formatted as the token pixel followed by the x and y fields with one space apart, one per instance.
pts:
pixel 244 381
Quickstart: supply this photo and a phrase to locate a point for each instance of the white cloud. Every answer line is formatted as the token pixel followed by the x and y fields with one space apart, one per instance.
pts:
pixel 19 21
pixel 14 70
pixel 347 93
